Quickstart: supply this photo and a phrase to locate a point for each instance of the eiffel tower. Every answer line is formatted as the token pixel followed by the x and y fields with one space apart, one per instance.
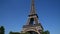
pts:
pixel 33 26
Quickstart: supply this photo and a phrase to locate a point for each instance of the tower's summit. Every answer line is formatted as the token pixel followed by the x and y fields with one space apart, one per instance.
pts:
pixel 32 11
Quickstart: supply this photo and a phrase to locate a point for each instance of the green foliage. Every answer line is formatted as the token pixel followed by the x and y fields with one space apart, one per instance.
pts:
pixel 46 32
pixel 18 33
pixel 14 33
pixel 25 33
pixel 2 30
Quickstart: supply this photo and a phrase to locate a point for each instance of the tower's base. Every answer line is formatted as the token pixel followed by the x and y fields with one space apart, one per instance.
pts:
pixel 32 29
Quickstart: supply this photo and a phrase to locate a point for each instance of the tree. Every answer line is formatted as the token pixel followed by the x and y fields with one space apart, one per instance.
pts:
pixel 25 33
pixel 2 30
pixel 14 32
pixel 46 32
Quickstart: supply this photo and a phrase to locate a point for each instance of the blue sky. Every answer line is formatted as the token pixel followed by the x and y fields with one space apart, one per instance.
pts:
pixel 14 14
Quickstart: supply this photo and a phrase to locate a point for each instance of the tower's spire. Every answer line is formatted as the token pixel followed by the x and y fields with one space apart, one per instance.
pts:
pixel 32 11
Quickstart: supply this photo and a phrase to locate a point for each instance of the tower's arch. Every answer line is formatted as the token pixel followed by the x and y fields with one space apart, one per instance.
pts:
pixel 32 32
